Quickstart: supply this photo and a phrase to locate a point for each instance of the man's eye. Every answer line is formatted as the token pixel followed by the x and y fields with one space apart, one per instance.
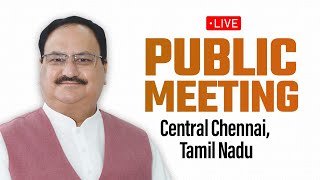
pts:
pixel 84 60
pixel 56 60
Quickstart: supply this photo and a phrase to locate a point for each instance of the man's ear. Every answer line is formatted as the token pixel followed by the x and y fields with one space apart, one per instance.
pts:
pixel 105 66
pixel 40 62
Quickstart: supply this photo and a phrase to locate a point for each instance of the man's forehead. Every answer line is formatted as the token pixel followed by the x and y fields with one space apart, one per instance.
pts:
pixel 72 29
pixel 74 35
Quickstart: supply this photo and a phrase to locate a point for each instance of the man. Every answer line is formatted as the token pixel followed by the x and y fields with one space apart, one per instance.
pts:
pixel 69 137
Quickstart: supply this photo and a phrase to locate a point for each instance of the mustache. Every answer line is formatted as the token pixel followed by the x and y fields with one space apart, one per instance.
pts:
pixel 74 78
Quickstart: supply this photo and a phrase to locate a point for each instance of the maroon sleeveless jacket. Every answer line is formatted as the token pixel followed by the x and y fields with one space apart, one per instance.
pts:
pixel 35 152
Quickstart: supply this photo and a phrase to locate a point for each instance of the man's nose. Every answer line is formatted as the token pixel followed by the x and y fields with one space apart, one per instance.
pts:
pixel 70 69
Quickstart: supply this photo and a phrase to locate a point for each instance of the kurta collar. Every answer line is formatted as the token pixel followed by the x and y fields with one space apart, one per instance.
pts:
pixel 61 121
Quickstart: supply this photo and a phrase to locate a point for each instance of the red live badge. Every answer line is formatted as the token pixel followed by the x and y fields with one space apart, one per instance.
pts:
pixel 223 22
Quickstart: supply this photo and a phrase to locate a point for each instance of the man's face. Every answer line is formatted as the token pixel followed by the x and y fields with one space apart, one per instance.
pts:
pixel 72 39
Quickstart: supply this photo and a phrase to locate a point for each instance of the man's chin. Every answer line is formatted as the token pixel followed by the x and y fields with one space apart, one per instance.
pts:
pixel 69 99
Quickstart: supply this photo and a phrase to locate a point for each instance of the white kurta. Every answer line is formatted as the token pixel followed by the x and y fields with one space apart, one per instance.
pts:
pixel 83 147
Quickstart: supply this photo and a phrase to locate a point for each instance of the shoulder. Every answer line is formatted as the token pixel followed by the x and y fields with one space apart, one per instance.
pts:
pixel 21 121
pixel 121 125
